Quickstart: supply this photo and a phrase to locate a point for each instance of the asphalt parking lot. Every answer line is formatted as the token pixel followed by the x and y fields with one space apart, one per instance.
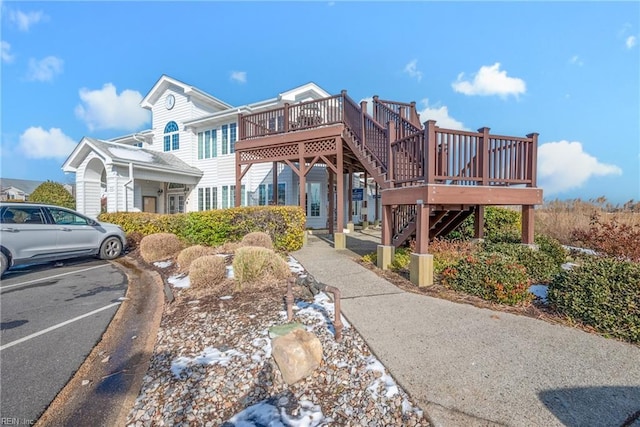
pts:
pixel 52 315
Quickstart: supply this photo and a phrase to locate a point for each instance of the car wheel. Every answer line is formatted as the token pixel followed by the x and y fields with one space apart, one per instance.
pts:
pixel 111 248
pixel 4 263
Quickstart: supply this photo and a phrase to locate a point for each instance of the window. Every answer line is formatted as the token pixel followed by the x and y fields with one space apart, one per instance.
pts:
pixel 214 197
pixel 207 144
pixel 201 199
pixel 225 139
pixel 232 196
pixel 313 199
pixel 225 196
pixel 232 138
pixel 265 194
pixel 243 195
pixel 171 136
pixel 66 218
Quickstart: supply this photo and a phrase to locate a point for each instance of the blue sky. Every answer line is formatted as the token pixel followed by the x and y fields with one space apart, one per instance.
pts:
pixel 567 70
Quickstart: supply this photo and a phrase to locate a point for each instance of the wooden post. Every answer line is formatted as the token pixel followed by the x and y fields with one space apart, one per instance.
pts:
pixel 365 202
pixel 241 130
pixel 527 224
pixel 286 117
pixel 478 222
pixel 375 107
pixel 377 214
pixel 332 196
pixel 431 150
pixel 422 227
pixel 532 161
pixel 363 123
pixel 238 180
pixel 387 225
pixel 340 185
pixel 391 138
pixel 274 195
pixel 483 152
pixel 302 177
pixel 350 194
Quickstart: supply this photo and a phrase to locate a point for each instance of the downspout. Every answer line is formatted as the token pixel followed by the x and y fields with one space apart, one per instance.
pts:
pixel 126 187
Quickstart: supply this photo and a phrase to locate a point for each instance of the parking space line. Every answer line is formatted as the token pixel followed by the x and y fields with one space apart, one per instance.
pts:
pixel 59 325
pixel 2 288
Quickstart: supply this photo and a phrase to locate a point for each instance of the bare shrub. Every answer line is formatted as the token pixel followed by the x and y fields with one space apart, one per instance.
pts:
pixel 160 246
pixel 257 238
pixel 227 248
pixel 191 253
pixel 133 240
pixel 253 264
pixel 207 272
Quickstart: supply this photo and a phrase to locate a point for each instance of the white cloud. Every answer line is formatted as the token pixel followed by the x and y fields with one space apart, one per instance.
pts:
pixel 631 41
pixel 576 60
pixel 412 69
pixel 45 69
pixel 105 109
pixel 5 53
pixel 564 165
pixel 441 115
pixel 25 20
pixel 39 143
pixel 239 76
pixel 490 80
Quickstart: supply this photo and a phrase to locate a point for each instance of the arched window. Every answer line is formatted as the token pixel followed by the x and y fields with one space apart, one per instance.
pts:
pixel 171 136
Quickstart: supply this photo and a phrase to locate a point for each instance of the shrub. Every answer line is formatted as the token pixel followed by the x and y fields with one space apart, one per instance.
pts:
pixel 191 253
pixel 257 238
pixel 207 271
pixel 401 258
pixel 500 225
pixel 446 253
pixel 603 293
pixel 612 238
pixel 541 268
pixel 552 247
pixel 372 258
pixel 52 193
pixel 147 223
pixel 133 239
pixel 161 246
pixel 252 264
pixel 491 276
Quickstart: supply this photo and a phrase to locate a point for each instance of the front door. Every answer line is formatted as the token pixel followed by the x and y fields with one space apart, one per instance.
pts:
pixel 176 203
pixel 149 204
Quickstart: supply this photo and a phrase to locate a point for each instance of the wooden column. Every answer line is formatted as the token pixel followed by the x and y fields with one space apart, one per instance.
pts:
pixel 274 201
pixel 478 222
pixel 238 180
pixel 365 196
pixel 303 177
pixel 340 186
pixel 422 228
pixel 527 224
pixel 387 225
pixel 332 196
pixel 350 195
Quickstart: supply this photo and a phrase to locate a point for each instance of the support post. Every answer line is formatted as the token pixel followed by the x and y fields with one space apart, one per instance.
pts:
pixel 350 200
pixel 483 151
pixel 339 241
pixel 365 202
pixel 532 160
pixel 422 227
pixel 527 224
pixel 478 222
pixel 238 189
pixel 431 149
pixel 274 195
pixel 302 175
pixel 332 201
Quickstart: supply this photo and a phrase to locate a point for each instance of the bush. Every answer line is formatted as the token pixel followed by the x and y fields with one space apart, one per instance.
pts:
pixel 552 247
pixel 603 293
pixel 133 239
pixel 613 238
pixel 191 253
pixel 147 223
pixel 500 225
pixel 446 253
pixel 541 268
pixel 52 193
pixel 401 259
pixel 252 264
pixel 161 246
pixel 207 271
pixel 491 276
pixel 257 238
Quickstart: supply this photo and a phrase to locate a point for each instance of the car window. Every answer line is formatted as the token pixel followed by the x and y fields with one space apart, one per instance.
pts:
pixel 64 217
pixel 21 215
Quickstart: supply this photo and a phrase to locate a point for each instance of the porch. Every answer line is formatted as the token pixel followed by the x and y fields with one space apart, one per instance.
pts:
pixel 430 178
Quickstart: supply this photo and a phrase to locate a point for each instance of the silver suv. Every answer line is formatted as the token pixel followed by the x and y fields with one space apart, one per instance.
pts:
pixel 31 233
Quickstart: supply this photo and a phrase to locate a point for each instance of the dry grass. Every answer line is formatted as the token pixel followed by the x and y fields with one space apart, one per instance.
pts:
pixel 191 253
pixel 558 219
pixel 255 265
pixel 257 238
pixel 227 248
pixel 207 272
pixel 160 246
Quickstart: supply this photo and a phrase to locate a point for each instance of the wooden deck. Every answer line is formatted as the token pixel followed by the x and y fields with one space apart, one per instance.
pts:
pixel 430 179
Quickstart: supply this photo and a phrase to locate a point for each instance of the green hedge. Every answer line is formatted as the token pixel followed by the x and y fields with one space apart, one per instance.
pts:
pixel 285 225
pixel 541 267
pixel 603 293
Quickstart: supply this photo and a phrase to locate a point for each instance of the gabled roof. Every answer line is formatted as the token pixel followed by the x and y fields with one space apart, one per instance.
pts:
pixel 25 185
pixel 121 154
pixel 165 82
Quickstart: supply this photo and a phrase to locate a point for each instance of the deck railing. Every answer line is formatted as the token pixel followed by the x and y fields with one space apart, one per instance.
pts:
pixel 397 112
pixel 409 155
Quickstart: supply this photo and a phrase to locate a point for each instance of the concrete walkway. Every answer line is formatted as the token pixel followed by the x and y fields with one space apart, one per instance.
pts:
pixel 467 366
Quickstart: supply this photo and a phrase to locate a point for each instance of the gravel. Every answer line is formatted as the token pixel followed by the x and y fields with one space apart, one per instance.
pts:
pixel 212 366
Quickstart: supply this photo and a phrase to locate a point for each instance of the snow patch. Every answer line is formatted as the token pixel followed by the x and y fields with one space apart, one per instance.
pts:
pixel 180 281
pixel 163 264
pixel 209 356
pixel 267 414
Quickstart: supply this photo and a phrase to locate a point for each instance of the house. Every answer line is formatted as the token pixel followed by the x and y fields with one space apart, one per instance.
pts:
pixel 186 161
pixel 20 189
pixel 338 159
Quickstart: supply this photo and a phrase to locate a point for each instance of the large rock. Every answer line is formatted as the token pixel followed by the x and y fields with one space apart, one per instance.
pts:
pixel 297 354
